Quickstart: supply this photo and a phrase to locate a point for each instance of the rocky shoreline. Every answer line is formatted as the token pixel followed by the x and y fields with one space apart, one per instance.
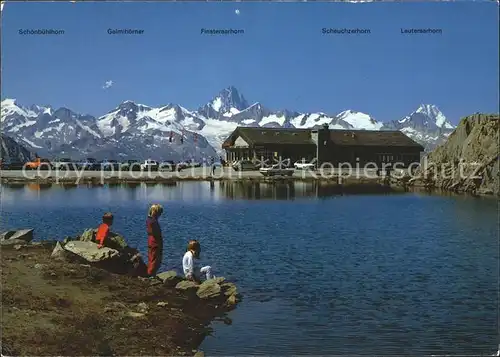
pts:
pixel 70 298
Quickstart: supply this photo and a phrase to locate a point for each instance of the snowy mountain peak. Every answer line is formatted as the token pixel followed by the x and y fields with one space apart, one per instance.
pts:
pixel 226 103
pixel 426 125
pixel 359 120
pixel 231 98
pixel 428 109
pixel 64 114
pixel 33 110
pixel 8 102
pixel 47 109
pixel 433 111
pixel 13 111
pixel 129 105
pixel 427 115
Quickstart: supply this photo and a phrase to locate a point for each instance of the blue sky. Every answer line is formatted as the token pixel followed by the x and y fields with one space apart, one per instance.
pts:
pixel 282 60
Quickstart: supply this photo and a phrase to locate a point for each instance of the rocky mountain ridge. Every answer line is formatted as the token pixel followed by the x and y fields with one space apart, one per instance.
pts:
pixel 11 151
pixel 468 161
pixel 137 131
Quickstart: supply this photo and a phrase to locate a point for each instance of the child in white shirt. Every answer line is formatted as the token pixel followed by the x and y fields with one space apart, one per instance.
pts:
pixel 189 265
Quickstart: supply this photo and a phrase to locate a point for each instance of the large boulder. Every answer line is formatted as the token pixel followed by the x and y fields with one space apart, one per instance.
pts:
pixel 90 252
pixel 215 291
pixel 209 289
pixel 88 235
pixel 170 278
pixel 6 235
pixel 187 286
pixel 59 253
pixel 115 241
pixel 229 289
pixel 219 279
pixel 230 292
pixel 22 235
pixel 126 261
pixel 130 259
pixel 12 242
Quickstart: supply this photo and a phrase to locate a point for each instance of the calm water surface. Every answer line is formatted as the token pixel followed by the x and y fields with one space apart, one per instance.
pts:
pixel 321 274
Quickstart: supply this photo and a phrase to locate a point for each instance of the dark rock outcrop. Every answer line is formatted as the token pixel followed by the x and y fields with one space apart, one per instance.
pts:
pixel 216 291
pixel 22 236
pixel 469 160
pixel 170 278
pixel 209 289
pixel 12 151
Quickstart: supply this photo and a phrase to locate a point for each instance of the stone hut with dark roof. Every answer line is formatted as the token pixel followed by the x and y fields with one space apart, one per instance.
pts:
pixel 323 144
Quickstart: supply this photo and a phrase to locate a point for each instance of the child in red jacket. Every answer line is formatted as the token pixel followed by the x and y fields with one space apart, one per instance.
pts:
pixel 103 230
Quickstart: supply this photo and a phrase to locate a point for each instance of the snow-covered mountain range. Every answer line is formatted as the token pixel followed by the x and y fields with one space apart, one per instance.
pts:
pixel 130 131
pixel 172 132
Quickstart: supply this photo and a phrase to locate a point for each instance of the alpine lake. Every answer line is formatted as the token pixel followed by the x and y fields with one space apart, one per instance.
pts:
pixel 321 274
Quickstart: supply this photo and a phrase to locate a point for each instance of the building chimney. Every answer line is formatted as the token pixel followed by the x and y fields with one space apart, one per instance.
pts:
pixel 322 143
